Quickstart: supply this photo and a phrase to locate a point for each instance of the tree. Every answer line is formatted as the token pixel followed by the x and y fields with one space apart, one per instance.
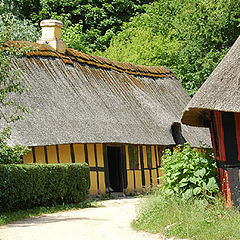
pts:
pixel 88 25
pixel 14 28
pixel 11 28
pixel 11 83
pixel 189 36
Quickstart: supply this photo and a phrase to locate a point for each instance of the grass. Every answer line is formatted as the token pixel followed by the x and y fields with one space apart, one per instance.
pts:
pixel 9 217
pixel 195 219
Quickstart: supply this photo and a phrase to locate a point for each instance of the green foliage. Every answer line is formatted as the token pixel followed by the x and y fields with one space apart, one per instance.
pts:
pixel 11 28
pixel 10 154
pixel 27 186
pixel 88 25
pixel 17 29
pixel 193 219
pixel 190 37
pixel 188 173
pixel 11 83
pixel 86 42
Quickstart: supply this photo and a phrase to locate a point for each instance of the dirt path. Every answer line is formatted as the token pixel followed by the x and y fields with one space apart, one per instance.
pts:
pixel 104 223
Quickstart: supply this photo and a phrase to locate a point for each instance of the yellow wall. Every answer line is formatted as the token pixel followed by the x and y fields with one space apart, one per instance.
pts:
pixel 130 179
pixel 102 185
pixel 138 180
pixel 130 176
pixel 52 154
pixel 153 157
pixel 91 155
pixel 127 167
pixel 154 177
pixel 139 158
pixel 93 175
pixel 138 174
pixel 93 183
pixel 64 153
pixel 154 171
pixel 146 172
pixel 79 153
pixel 150 175
pixel 127 157
pixel 28 158
pixel 144 156
pixel 100 155
pixel 40 155
pixel 157 155
pixel 100 162
pixel 160 173
pixel 147 179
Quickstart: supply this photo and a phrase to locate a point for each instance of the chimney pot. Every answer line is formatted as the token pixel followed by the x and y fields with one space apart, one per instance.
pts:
pixel 51 35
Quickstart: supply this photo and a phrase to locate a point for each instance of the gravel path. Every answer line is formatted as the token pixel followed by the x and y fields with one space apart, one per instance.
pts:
pixel 103 223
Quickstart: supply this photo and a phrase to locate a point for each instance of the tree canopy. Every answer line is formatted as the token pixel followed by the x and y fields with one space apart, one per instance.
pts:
pixel 11 83
pixel 189 36
pixel 88 25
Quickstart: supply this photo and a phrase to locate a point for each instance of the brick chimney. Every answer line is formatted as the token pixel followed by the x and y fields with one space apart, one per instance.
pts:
pixel 51 35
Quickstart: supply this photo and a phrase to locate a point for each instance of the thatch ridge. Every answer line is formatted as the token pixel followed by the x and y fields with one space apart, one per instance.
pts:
pixel 220 92
pixel 71 55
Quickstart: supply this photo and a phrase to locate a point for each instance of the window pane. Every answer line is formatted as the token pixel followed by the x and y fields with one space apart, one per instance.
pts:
pixel 149 157
pixel 133 157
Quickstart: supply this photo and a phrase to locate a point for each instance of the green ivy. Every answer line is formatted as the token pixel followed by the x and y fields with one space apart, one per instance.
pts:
pixel 189 173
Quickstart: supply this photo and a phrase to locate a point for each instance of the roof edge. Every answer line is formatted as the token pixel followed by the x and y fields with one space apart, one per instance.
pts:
pixel 195 117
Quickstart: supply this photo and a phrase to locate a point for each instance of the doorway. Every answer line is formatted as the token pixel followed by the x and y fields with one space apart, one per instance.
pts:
pixel 115 168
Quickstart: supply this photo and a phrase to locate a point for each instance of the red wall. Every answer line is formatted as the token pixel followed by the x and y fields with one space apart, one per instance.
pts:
pixel 225 134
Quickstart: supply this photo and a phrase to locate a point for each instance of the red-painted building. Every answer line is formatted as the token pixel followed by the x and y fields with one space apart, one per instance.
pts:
pixel 216 105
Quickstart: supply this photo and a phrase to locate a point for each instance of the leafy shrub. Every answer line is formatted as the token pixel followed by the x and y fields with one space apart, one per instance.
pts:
pixel 8 154
pixel 31 185
pixel 189 172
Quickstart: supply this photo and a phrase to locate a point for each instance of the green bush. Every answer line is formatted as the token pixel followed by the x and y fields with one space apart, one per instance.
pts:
pixel 30 185
pixel 188 173
pixel 8 154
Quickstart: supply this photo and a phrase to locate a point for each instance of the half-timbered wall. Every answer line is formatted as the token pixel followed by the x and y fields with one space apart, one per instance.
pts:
pixel 225 134
pixel 141 174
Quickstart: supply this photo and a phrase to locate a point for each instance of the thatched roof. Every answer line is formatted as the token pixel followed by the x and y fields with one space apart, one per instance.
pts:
pixel 77 98
pixel 220 92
